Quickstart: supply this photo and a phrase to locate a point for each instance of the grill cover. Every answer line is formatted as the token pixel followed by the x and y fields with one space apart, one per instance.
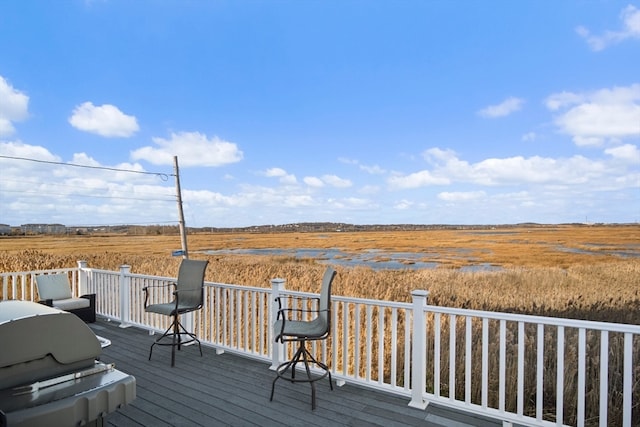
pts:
pixel 49 370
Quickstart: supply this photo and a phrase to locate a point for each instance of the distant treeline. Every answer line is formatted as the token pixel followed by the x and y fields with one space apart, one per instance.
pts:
pixel 302 227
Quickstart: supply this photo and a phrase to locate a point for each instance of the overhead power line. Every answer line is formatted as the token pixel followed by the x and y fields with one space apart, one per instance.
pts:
pixel 161 175
pixel 91 196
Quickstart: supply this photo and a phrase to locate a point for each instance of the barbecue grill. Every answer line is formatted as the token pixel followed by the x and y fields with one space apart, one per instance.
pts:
pixel 50 373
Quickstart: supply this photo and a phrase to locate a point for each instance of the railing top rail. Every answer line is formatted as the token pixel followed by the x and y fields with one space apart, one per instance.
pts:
pixel 101 271
pixel 355 300
pixel 527 318
pixel 231 286
pixel 50 271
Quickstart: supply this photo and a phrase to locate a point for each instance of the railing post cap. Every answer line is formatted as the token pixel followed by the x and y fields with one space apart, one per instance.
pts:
pixel 420 293
pixel 278 280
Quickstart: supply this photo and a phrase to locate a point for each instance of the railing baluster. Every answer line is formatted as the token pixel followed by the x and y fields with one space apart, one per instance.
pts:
pixel 467 360
pixel 239 328
pixel 452 357
pixel 540 372
pixel 345 340
pixel 394 346
pixel 485 362
pixel 520 380
pixel 582 343
pixel 604 377
pixel 502 365
pixel 247 322
pixel 627 379
pixel 368 343
pixel 560 377
pixel 381 349
pixel 407 348
pixel 356 341
pixel 436 354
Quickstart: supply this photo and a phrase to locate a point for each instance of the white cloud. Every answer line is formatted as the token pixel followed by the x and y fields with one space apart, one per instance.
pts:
pixel 416 180
pixel 20 149
pixel 529 137
pixel 13 107
pixel 593 118
pixel 510 171
pixel 336 181
pixel 330 180
pixel 630 17
pixel 275 172
pixel 559 100
pixel 371 169
pixel 403 204
pixel 506 107
pixel 105 120
pixel 629 153
pixel 282 175
pixel 313 181
pixel 192 149
pixel 437 155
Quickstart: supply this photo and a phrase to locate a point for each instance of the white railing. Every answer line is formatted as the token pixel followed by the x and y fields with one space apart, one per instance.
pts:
pixel 528 370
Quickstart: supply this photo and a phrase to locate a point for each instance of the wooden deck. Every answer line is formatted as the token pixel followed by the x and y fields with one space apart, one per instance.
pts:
pixel 229 390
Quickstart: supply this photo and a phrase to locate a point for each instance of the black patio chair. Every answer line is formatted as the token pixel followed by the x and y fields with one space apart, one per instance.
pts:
pixel 187 296
pixel 290 326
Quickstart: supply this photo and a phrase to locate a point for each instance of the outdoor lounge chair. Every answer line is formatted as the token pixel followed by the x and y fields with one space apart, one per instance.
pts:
pixel 187 296
pixel 55 291
pixel 291 326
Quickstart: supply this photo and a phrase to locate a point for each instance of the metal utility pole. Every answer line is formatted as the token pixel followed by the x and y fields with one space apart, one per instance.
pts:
pixel 183 231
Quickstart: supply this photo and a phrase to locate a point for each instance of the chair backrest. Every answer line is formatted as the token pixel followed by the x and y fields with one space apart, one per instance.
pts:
pixel 53 286
pixel 325 297
pixel 191 278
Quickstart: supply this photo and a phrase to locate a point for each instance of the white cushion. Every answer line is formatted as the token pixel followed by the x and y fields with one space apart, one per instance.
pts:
pixel 53 286
pixel 71 303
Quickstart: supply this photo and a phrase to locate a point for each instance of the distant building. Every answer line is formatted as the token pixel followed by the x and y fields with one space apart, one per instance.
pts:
pixel 5 229
pixel 43 229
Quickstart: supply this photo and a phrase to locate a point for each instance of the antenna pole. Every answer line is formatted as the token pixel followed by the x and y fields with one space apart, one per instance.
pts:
pixel 183 233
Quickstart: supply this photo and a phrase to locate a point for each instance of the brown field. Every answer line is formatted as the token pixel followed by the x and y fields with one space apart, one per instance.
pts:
pixel 537 278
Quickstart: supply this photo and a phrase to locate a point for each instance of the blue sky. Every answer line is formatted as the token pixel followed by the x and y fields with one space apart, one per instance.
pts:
pixel 364 112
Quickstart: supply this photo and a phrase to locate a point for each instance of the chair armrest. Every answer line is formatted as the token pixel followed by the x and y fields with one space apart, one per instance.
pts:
pixel 91 298
pixel 282 311
pixel 294 298
pixel 146 291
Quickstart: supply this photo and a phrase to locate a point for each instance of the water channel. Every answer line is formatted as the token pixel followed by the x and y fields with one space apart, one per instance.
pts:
pixel 380 260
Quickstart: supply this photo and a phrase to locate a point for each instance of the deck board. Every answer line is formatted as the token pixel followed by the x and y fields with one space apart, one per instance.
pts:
pixel 227 389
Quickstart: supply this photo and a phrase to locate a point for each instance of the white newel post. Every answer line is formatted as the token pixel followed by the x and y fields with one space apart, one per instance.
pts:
pixel 277 349
pixel 419 350
pixel 83 285
pixel 125 301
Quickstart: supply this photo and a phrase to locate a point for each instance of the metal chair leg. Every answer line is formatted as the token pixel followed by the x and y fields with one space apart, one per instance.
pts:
pixel 176 330
pixel 302 355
